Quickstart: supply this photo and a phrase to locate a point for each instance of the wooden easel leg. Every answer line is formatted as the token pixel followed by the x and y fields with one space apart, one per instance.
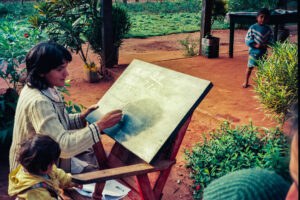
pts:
pixel 102 159
pixel 100 155
pixel 163 176
pixel 97 195
pixel 145 189
pixel 160 183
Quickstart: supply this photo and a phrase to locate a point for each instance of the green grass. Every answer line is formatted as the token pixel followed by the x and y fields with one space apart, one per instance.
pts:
pixel 190 6
pixel 147 25
pixel 148 19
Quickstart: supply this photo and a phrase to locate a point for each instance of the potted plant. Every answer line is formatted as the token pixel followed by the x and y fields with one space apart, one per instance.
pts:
pixel 91 73
pixel 120 27
pixel 210 46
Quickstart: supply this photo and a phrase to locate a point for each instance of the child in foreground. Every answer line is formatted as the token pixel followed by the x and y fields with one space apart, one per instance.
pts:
pixel 37 177
pixel 258 37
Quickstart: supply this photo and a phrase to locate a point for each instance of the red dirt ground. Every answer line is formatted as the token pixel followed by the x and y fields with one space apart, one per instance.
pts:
pixel 226 100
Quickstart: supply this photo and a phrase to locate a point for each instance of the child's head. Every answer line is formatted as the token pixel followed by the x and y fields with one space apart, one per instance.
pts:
pixel 263 16
pixel 38 153
pixel 43 58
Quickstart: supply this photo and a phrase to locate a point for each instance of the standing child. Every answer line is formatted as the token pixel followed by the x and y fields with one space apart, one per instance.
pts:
pixel 258 37
pixel 37 177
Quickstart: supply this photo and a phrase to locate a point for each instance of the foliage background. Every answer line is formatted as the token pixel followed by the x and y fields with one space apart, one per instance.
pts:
pixel 230 148
pixel 276 80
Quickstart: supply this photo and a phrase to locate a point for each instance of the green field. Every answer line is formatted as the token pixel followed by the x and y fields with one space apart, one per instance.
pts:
pixel 147 19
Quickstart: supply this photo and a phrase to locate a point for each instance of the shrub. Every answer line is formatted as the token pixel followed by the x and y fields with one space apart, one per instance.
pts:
pixel 16 39
pixel 120 27
pixel 229 149
pixel 16 10
pixel 65 21
pixel 8 104
pixel 250 5
pixel 120 24
pixel 190 46
pixel 69 105
pixel 277 80
pixel 3 10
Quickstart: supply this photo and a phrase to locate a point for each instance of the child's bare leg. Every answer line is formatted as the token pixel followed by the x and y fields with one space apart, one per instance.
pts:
pixel 248 73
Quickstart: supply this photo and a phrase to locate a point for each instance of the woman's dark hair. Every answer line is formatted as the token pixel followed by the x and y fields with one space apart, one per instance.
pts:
pixel 41 59
pixel 38 152
pixel 264 11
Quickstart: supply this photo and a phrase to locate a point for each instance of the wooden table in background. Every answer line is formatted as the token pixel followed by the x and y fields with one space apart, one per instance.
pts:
pixel 276 18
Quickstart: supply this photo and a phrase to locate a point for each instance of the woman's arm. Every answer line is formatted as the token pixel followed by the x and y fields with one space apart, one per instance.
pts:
pixel 72 142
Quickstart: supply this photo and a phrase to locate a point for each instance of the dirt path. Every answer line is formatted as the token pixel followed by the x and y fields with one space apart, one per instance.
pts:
pixel 226 100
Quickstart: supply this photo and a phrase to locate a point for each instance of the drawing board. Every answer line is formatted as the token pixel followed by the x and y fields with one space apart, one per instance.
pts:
pixel 155 101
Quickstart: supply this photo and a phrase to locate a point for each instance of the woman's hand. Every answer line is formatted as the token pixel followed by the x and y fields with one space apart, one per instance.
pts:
pixel 110 119
pixel 89 110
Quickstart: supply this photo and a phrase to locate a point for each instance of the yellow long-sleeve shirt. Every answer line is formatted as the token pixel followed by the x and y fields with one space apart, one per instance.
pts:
pixel 20 181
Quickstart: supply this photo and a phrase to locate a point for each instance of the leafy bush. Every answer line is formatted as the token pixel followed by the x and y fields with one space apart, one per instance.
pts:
pixel 69 105
pixel 3 10
pixel 120 24
pixel 8 104
pixel 16 10
pixel 219 9
pixel 16 39
pixel 277 80
pixel 190 46
pixel 65 21
pixel 229 149
pixel 120 27
pixel 251 5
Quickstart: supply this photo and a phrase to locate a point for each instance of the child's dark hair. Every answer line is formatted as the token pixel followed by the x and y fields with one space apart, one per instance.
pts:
pixel 38 152
pixel 41 59
pixel 263 11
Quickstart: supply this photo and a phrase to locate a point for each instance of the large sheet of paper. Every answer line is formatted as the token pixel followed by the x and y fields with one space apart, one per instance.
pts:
pixel 155 101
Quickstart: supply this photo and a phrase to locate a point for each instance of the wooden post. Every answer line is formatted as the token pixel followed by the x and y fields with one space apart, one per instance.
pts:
pixel 231 38
pixel 107 41
pixel 206 12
